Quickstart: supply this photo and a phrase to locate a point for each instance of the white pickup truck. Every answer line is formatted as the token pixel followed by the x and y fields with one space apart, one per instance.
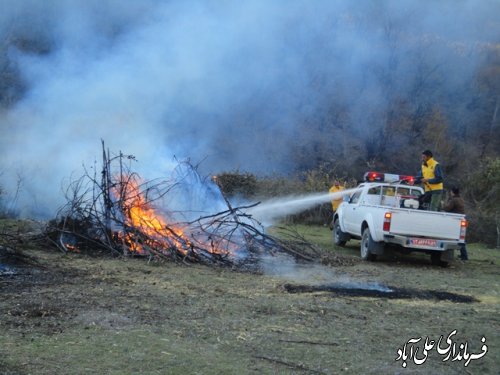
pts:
pixel 383 213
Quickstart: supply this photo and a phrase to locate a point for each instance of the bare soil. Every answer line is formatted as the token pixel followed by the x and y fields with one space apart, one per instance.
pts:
pixel 82 314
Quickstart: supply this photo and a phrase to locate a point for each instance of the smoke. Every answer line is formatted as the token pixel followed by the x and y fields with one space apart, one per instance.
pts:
pixel 285 267
pixel 190 196
pixel 228 82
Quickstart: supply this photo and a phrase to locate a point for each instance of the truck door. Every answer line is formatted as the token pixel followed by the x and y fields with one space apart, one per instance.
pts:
pixel 372 197
pixel 350 213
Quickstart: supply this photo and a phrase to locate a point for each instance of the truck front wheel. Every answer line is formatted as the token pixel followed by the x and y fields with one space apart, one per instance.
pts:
pixel 339 237
pixel 368 246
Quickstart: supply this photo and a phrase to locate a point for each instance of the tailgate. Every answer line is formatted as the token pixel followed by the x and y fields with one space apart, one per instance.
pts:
pixel 426 224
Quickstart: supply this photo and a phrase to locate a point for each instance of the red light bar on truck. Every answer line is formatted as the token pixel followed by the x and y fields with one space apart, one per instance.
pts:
pixel 388 177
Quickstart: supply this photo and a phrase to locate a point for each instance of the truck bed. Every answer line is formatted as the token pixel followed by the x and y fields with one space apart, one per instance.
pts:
pixel 418 223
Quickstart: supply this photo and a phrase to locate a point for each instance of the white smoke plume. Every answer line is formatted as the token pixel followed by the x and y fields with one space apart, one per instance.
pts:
pixel 228 82
pixel 274 209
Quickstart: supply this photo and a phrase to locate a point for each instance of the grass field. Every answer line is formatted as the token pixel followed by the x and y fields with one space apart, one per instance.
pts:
pixel 76 314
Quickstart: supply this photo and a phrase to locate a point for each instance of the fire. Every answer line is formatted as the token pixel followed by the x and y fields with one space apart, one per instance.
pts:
pixel 180 217
pixel 72 248
pixel 147 229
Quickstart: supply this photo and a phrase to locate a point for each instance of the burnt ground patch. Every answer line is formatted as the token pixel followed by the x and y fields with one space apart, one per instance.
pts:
pixel 388 292
pixel 11 257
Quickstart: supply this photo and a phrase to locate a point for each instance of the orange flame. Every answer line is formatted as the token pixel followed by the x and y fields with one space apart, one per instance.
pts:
pixel 72 248
pixel 150 230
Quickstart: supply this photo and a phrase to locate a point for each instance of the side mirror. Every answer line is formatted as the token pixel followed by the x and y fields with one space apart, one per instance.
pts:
pixel 346 197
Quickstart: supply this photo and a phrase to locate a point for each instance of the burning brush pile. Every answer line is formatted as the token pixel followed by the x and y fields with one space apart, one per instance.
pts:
pixel 184 218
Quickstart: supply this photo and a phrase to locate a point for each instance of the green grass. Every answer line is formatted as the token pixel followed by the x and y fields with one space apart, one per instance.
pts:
pixel 82 315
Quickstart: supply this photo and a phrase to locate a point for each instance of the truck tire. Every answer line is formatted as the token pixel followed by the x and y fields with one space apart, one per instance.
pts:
pixel 436 260
pixel 339 237
pixel 368 246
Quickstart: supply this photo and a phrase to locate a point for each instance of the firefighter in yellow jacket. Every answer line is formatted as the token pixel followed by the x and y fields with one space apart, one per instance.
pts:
pixel 431 176
pixel 336 188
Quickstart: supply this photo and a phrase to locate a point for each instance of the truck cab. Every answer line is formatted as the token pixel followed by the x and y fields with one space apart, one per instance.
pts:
pixel 379 194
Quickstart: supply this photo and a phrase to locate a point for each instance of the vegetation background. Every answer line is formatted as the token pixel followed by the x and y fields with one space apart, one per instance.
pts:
pixel 278 101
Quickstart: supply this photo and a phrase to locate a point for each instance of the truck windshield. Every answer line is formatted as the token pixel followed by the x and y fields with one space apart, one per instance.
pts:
pixel 355 197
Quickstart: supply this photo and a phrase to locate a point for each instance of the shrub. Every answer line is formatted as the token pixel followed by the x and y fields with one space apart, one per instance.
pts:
pixel 483 197
pixel 238 184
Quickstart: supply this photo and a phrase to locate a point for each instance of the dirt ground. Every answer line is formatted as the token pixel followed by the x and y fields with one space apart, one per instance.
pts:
pixel 82 314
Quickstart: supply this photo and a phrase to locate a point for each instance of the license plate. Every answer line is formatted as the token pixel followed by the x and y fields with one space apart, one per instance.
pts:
pixel 423 242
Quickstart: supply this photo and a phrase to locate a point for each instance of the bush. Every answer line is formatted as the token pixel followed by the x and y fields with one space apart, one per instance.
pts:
pixel 483 197
pixel 237 184
pixel 482 228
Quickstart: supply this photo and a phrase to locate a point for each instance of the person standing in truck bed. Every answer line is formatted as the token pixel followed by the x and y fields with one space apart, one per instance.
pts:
pixel 456 205
pixel 431 176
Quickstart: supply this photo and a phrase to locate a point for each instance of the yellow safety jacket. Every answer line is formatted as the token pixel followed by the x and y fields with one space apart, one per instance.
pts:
pixel 336 202
pixel 428 173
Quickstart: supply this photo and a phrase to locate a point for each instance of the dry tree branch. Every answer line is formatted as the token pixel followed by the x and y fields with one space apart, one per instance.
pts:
pixel 119 213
